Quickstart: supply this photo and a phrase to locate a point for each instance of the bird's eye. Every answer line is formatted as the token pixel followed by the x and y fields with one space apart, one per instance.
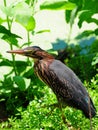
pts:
pixel 33 52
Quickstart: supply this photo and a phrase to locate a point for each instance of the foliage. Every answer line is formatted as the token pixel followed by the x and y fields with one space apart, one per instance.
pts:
pixel 26 98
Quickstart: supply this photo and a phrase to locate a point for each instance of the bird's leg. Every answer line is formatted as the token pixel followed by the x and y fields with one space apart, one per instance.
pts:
pixel 63 117
pixel 58 105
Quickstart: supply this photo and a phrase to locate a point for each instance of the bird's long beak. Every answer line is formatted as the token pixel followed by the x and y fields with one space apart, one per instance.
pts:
pixel 21 51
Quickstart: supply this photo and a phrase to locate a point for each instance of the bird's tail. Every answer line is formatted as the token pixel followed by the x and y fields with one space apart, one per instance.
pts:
pixel 89 109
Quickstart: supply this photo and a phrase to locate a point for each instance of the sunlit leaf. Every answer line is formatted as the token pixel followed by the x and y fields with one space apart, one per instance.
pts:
pixel 24 16
pixel 95 60
pixel 27 21
pixel 9 10
pixel 2 20
pixel 22 8
pixel 57 5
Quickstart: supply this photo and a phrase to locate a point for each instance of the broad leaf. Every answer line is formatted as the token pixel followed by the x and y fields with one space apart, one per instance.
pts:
pixel 23 15
pixel 21 82
pixel 27 21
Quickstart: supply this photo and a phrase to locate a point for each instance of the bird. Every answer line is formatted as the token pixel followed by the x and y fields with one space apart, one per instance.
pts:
pixel 65 84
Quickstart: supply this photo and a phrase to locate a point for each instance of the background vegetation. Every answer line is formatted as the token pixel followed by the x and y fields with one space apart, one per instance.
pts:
pixel 24 99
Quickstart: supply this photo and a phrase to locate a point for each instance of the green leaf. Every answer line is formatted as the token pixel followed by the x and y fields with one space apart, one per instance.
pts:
pixel 5 62
pixel 10 40
pixel 6 31
pixel 9 10
pixel 21 82
pixel 8 36
pixel 23 15
pixel 30 24
pixel 86 15
pixel 85 34
pixel 2 20
pixel 22 8
pixel 29 73
pixel 57 5
pixel 27 21
pixel 67 15
pixel 96 31
pixel 43 31
pixel 95 60
pixel 21 66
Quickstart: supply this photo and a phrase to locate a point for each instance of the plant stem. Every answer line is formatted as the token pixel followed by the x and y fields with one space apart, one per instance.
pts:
pixel 11 46
pixel 28 41
pixel 69 35
pixel 28 37
pixel 72 18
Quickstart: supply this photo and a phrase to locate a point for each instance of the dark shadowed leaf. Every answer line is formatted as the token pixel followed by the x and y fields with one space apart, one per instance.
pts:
pixel 6 31
pixel 96 31
pixel 21 66
pixel 5 62
pixel 86 16
pixel 8 36
pixel 85 34
pixel 29 73
pixel 67 15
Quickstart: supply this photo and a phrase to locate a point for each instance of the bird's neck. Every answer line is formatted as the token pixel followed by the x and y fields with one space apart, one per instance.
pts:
pixel 45 61
pixel 44 58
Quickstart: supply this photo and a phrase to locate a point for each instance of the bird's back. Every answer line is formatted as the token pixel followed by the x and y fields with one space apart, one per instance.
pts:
pixel 71 89
pixel 65 84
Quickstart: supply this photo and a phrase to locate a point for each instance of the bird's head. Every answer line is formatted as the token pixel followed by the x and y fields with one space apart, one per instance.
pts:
pixel 33 52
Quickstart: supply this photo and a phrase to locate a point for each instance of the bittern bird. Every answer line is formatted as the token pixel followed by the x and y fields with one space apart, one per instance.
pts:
pixel 67 87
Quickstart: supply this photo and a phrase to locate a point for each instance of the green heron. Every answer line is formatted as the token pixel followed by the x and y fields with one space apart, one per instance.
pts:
pixel 67 87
